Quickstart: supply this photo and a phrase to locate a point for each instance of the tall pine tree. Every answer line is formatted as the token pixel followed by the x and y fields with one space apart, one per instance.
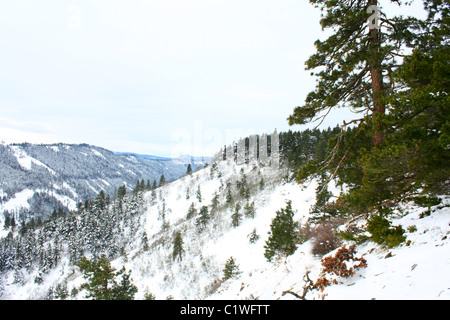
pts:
pixel 400 143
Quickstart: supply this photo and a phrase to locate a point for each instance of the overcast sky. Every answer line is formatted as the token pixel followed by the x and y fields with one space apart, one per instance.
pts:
pixel 162 77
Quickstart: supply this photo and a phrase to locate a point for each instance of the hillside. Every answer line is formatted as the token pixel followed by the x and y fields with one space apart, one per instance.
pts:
pixel 138 231
pixel 36 179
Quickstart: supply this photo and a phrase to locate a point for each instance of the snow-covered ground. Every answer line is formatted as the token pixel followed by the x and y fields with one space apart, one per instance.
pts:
pixel 419 270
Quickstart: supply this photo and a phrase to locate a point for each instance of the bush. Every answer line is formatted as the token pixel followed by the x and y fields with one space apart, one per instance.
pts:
pixel 342 264
pixel 382 233
pixel 325 238
pixel 304 233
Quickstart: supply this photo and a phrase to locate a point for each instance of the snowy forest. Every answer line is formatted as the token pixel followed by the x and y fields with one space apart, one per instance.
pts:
pixel 359 211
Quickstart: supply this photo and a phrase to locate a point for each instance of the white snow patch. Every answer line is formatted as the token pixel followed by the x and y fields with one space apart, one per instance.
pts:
pixel 25 161
pixel 98 154
pixel 20 200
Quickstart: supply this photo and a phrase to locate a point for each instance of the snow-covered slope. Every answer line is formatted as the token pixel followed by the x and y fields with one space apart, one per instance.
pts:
pixel 36 179
pixel 415 271
pixel 419 270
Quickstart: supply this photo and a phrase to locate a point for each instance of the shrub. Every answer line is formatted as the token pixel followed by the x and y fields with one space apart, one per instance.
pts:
pixel 304 233
pixel 382 233
pixel 325 238
pixel 342 264
pixel 253 237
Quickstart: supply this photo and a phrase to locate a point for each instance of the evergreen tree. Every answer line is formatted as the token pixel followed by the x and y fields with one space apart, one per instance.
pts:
pixel 189 169
pixel 192 212
pixel 145 246
pixel 355 66
pixel 199 194
pixel 214 202
pixel 236 217
pixel 253 236
pixel 177 246
pixel 249 209
pixel 100 276
pixel 7 222
pixel 203 217
pixel 400 145
pixel 229 196
pixel 282 235
pixel 231 269
pixel 162 180
pixel 125 289
pixel 102 283
pixel 122 192
pixel 261 184
pixel 322 197
pixel 12 223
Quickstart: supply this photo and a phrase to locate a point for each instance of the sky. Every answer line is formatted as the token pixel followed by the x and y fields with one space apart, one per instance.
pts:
pixel 161 77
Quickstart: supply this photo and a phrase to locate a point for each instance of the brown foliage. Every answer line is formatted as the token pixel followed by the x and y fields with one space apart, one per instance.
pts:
pixel 325 239
pixel 337 265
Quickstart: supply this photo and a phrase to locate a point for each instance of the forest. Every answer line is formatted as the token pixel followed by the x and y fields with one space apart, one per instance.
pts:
pixel 395 78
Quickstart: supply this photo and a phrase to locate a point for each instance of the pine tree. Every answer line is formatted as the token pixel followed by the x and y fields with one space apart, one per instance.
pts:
pixel 125 289
pixel 162 180
pixel 400 144
pixel 122 192
pixel 253 237
pixel 145 245
pixel 189 169
pixel 231 269
pixel 261 184
pixel 192 212
pixel 229 196
pixel 7 223
pixel 102 284
pixel 215 202
pixel 249 209
pixel 236 217
pixel 322 197
pixel 203 217
pixel 282 235
pixel 355 66
pixel 199 194
pixel 100 276
pixel 177 246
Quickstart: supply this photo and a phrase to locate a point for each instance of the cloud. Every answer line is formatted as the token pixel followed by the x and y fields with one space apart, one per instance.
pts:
pixel 129 75
pixel 251 92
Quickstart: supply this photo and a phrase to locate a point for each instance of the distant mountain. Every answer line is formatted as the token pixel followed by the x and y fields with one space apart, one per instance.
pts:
pixel 36 179
pixel 199 160
pixel 144 156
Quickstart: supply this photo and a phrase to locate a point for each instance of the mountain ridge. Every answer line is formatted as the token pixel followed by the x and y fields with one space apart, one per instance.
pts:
pixel 38 178
pixel 137 231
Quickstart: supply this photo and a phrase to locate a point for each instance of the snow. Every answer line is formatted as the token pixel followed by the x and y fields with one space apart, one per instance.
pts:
pixel 20 200
pixel 98 154
pixel 25 161
pixel 415 271
pixel 419 270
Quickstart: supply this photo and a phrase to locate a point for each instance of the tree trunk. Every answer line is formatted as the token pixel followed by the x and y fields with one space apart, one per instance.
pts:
pixel 377 80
